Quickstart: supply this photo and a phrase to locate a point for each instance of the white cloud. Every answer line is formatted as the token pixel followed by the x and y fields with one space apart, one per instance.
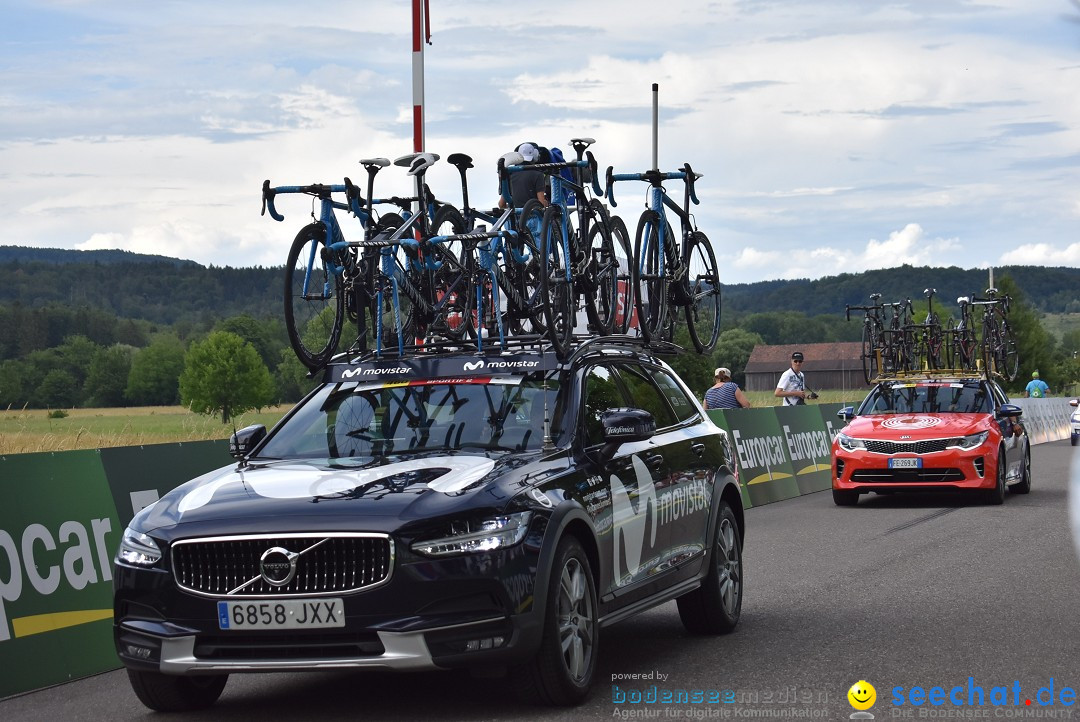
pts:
pixel 1043 254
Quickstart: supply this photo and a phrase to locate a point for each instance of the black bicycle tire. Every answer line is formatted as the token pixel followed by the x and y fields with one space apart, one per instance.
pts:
pixel 627 285
pixel 1010 360
pixel 601 306
pixel 524 277
pixel 869 353
pixel 533 209
pixel 556 290
pixel 703 301
pixel 651 299
pixel 452 277
pixel 393 326
pixel 313 346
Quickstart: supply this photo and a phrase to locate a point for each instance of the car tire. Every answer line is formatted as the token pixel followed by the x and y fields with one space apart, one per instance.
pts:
pixel 996 495
pixel 1074 439
pixel 562 672
pixel 715 606
pixel 1024 485
pixel 845 498
pixel 173 693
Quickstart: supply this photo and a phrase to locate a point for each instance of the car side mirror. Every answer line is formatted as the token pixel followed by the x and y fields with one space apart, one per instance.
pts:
pixel 243 441
pixel 624 425
pixel 1007 411
pixel 1074 402
pixel 847 413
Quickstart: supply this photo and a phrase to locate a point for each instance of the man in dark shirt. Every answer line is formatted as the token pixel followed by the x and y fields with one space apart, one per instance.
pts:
pixel 527 184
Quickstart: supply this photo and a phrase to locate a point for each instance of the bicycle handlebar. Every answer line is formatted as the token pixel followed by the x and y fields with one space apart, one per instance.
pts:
pixel 654 177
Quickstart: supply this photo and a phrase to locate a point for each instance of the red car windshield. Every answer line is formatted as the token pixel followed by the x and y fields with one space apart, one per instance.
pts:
pixel 946 398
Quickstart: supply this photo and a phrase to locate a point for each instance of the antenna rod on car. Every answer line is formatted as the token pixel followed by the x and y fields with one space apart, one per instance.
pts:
pixel 655 125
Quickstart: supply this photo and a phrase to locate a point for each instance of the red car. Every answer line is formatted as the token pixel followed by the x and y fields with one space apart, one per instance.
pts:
pixel 957 434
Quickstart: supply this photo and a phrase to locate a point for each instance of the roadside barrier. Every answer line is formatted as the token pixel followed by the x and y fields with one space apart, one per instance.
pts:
pixel 63 514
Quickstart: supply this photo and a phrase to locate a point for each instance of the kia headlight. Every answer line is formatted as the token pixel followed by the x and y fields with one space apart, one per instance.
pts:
pixel 138 549
pixel 496 532
pixel 970 441
pixel 850 443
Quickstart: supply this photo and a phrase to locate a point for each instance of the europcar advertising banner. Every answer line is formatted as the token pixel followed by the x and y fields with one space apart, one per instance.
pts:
pixel 58 533
pixel 760 450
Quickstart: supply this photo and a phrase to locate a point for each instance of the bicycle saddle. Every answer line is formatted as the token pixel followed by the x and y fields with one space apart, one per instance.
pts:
pixel 582 141
pixel 460 160
pixel 380 162
pixel 417 162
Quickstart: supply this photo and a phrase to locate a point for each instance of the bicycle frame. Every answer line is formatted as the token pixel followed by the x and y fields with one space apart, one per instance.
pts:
pixel 658 199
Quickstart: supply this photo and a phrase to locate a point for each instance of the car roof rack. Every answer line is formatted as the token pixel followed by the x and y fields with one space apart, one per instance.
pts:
pixel 595 343
pixel 935 375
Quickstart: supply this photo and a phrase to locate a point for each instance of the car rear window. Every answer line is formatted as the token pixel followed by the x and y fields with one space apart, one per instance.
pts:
pixel 961 398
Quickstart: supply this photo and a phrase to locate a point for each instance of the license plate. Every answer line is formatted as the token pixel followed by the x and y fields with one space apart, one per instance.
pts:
pixel 905 463
pixel 283 614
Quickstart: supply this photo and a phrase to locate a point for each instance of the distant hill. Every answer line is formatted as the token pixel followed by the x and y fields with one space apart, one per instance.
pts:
pixel 168 290
pixel 22 254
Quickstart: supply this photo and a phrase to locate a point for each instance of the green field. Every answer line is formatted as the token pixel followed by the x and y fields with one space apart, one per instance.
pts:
pixel 32 430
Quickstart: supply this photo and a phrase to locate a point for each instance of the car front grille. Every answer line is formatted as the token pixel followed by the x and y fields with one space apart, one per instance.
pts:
pixel 325 564
pixel 904 476
pixel 926 446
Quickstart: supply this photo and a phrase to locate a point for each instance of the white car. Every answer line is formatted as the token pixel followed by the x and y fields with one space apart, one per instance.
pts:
pixel 1075 422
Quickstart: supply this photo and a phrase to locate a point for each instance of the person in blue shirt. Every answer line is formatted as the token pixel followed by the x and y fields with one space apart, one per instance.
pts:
pixel 725 393
pixel 1036 388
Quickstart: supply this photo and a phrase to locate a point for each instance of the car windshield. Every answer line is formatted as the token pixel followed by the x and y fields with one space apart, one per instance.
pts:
pixel 364 420
pixel 960 398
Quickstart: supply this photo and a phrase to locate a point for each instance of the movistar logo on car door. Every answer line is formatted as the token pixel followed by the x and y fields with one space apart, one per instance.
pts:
pixel 639 512
pixel 630 521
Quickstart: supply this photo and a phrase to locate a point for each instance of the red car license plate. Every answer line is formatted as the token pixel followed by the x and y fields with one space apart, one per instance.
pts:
pixel 905 463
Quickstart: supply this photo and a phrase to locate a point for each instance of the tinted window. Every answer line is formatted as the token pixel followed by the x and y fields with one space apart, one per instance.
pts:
pixel 680 404
pixel 963 398
pixel 645 395
pixel 602 392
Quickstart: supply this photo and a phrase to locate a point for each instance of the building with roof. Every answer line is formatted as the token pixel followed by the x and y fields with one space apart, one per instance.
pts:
pixel 826 365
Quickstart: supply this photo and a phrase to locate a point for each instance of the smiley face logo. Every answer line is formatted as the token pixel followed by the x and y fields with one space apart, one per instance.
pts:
pixel 862 695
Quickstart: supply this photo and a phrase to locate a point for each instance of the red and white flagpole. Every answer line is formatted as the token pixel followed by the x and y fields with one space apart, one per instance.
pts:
pixel 421 33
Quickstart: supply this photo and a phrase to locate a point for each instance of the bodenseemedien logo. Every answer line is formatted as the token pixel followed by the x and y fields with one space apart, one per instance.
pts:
pixel 861 696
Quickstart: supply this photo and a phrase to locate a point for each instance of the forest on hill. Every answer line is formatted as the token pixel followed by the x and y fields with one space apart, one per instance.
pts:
pixel 111 328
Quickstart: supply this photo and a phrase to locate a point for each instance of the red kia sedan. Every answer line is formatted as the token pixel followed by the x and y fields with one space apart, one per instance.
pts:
pixel 932 434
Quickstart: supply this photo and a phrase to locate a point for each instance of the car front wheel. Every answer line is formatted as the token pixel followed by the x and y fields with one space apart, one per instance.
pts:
pixel 715 606
pixel 845 498
pixel 563 669
pixel 1024 485
pixel 996 495
pixel 172 693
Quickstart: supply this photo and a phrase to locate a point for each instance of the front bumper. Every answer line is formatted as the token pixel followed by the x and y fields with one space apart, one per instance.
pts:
pixel 950 470
pixel 472 610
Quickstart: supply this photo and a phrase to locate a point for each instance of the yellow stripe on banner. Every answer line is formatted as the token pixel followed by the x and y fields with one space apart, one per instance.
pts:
pixel 769 477
pixel 814 467
pixel 25 626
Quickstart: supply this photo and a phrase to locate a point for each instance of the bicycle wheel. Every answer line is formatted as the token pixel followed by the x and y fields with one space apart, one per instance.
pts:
pixel 624 254
pixel 394 321
pixel 556 288
pixel 314 300
pixel 987 346
pixel 522 269
pixel 1007 358
pixel 602 277
pixel 869 353
pixel 449 285
pixel 531 217
pixel 703 311
pixel 651 299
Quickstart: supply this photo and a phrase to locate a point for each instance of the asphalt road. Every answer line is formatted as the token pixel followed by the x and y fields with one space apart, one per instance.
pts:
pixel 900 591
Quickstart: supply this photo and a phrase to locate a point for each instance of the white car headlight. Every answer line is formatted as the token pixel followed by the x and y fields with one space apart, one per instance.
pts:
pixel 138 550
pixel 495 532
pixel 970 441
pixel 848 443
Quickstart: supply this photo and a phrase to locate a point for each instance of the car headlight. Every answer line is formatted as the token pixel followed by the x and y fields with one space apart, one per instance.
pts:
pixel 848 443
pixel 138 550
pixel 497 532
pixel 970 441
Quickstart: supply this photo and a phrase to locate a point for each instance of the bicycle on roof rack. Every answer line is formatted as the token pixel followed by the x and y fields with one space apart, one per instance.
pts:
pixel 577 260
pixel 667 274
pixel 998 347
pixel 962 343
pixel 930 337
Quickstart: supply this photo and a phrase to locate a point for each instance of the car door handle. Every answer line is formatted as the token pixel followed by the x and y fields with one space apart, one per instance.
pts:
pixel 698 447
pixel 654 461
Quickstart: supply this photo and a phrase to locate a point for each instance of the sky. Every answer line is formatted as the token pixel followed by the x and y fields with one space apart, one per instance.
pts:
pixel 832 135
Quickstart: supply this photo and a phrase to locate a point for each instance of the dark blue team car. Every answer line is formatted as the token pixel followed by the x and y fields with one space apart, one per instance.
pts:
pixel 480 511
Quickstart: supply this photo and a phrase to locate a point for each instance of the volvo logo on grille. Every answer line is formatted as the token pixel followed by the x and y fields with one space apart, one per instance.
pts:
pixel 278 566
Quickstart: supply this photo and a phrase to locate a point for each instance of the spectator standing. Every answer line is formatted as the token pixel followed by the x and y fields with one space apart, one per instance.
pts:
pixel 1036 388
pixel 792 385
pixel 725 393
pixel 526 184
